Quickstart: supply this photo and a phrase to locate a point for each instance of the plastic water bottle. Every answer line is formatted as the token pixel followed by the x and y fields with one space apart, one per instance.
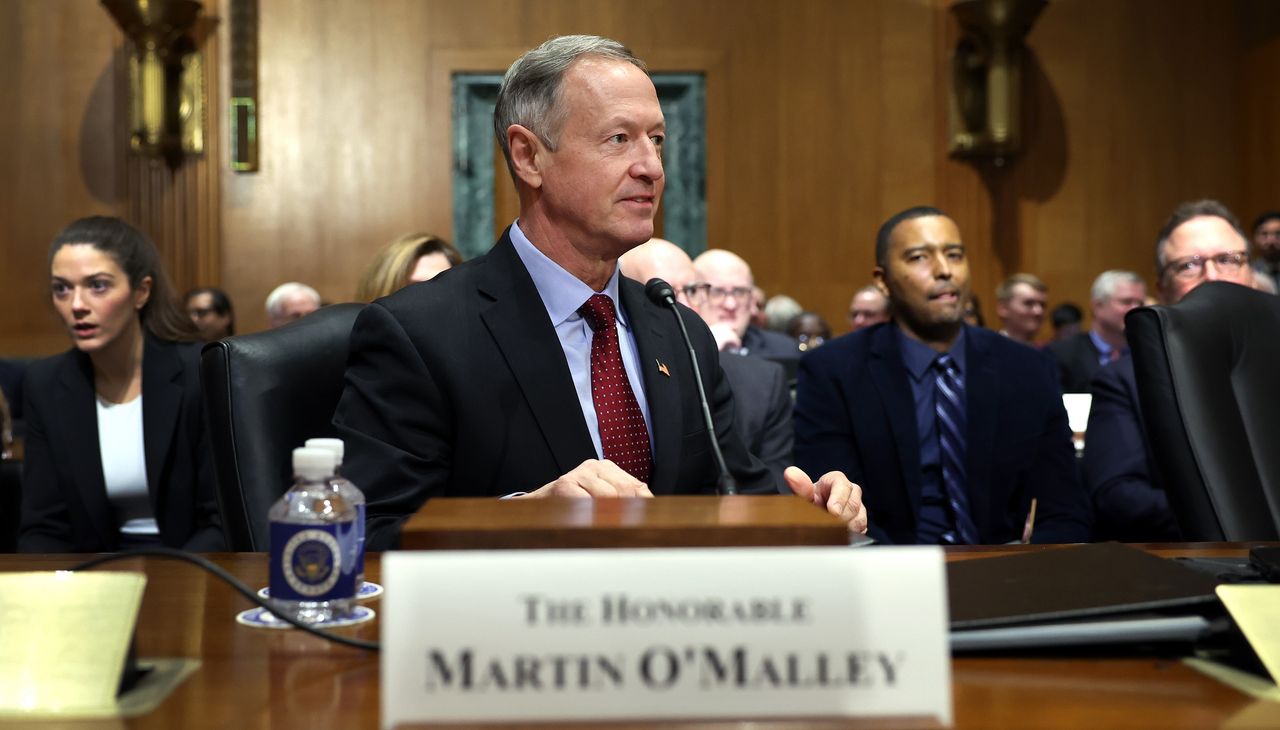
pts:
pixel 350 492
pixel 313 532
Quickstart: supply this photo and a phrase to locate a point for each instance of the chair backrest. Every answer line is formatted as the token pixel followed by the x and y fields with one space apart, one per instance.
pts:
pixel 265 394
pixel 1206 371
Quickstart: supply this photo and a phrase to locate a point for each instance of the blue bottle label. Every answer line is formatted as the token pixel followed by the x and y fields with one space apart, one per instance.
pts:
pixel 360 539
pixel 312 562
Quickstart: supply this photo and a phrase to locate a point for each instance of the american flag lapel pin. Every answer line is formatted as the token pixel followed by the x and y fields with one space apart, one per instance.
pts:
pixel 662 368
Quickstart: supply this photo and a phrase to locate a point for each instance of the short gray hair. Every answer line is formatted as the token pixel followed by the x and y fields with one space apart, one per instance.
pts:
pixel 872 289
pixel 288 289
pixel 530 90
pixel 1104 287
pixel 779 310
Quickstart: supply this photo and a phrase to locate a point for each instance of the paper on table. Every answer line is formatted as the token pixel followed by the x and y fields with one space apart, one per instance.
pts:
pixel 63 639
pixel 1256 610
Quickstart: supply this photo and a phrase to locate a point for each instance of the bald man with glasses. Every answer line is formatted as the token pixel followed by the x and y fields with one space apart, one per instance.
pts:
pixel 727 288
pixel 1202 241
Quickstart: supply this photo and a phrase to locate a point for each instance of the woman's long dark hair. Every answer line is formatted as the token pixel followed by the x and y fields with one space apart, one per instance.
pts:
pixel 137 256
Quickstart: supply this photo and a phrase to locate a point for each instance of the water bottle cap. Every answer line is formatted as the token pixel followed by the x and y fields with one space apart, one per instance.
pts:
pixel 335 445
pixel 313 463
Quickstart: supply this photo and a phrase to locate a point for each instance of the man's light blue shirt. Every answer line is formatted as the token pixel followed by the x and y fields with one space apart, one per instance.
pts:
pixel 1104 348
pixel 562 294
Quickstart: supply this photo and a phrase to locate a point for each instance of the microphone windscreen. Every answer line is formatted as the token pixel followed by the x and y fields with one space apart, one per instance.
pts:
pixel 659 292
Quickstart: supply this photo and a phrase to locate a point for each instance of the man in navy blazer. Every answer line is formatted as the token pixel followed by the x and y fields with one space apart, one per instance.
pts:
pixel 1202 241
pixel 865 405
pixel 484 381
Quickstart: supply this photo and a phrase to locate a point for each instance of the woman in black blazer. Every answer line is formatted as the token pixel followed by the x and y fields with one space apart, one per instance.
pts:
pixel 116 453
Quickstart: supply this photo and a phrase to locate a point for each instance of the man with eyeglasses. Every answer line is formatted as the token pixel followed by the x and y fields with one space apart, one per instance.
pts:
pixel 729 286
pixel 1266 241
pixel 761 395
pixel 1202 241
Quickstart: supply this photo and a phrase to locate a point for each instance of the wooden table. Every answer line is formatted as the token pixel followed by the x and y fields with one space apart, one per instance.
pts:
pixel 273 679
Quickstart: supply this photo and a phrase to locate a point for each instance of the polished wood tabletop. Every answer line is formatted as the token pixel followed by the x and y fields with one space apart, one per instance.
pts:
pixel 673 521
pixel 254 678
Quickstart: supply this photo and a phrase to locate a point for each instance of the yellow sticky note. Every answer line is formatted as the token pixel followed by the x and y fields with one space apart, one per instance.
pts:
pixel 1256 610
pixel 63 640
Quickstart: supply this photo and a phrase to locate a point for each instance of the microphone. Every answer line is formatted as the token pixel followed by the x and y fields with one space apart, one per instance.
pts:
pixel 661 293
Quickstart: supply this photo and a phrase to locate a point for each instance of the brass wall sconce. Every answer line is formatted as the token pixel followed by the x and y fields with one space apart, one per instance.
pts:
pixel 166 77
pixel 986 76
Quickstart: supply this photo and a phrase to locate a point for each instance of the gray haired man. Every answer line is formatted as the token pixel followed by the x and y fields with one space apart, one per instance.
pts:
pixel 536 370
pixel 1079 356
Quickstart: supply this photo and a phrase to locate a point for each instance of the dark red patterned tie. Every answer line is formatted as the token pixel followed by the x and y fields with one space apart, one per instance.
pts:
pixel 622 431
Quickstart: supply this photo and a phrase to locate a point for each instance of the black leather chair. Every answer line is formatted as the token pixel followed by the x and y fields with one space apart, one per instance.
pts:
pixel 1207 371
pixel 264 395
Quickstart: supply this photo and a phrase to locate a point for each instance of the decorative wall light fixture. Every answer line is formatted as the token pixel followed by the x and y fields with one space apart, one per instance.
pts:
pixel 986 75
pixel 166 77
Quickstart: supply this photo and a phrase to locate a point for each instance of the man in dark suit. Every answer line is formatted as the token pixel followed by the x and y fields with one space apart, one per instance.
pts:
pixel 535 370
pixel 761 396
pixel 1114 293
pixel 1202 241
pixel 954 431
pixel 728 309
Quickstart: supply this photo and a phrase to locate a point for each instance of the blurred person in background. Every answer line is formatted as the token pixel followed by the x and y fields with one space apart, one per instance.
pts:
pixel 780 310
pixel 1067 320
pixel 1266 244
pixel 408 259
pixel 1020 305
pixel 289 301
pixel 809 330
pixel 1113 294
pixel 869 306
pixel 973 312
pixel 211 311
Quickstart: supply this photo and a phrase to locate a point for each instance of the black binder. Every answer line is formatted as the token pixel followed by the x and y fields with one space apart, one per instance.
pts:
pixel 1095 593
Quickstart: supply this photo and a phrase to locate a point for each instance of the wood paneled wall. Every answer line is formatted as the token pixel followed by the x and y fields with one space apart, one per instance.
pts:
pixel 63 142
pixel 824 117
pixel 58 153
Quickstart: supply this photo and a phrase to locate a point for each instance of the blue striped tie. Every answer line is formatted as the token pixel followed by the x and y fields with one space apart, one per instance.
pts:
pixel 949 406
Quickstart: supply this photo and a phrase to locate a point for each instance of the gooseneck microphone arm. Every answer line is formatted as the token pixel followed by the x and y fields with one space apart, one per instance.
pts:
pixel 661 293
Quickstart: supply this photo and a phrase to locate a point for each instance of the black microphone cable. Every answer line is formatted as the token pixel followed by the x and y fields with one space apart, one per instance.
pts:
pixel 661 293
pixel 241 588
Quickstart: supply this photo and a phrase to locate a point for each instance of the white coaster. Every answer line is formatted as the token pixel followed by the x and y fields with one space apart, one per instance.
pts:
pixel 367 590
pixel 261 618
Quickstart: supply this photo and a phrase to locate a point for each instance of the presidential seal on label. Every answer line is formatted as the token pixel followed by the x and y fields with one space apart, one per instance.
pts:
pixel 314 563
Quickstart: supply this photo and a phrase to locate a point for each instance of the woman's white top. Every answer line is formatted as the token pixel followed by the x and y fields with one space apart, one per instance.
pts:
pixel 124 465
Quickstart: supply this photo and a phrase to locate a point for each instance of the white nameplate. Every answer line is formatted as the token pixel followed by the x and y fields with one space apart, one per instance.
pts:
pixel 664 634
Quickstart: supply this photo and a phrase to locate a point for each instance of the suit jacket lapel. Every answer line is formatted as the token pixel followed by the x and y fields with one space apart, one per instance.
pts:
pixel 161 402
pixel 662 391
pixel 79 422
pixel 519 325
pixel 890 378
pixel 982 405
